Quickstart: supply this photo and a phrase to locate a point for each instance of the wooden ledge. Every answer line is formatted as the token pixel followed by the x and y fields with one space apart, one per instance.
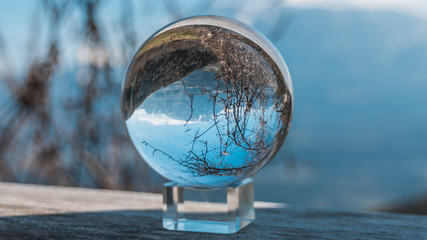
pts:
pixel 46 212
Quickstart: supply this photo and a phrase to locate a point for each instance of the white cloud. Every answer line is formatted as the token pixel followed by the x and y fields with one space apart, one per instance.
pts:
pixel 96 55
pixel 416 8
pixel 159 119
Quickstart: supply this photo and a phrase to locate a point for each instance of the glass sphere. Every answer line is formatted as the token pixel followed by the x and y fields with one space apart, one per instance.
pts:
pixel 207 101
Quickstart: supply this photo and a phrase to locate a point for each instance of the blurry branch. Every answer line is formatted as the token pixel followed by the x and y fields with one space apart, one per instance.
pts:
pixel 127 26
pixel 88 137
pixel 75 136
pixel 410 205
pixel 27 121
pixel 7 71
pixel 280 26
pixel 173 9
pixel 29 108
pixel 98 171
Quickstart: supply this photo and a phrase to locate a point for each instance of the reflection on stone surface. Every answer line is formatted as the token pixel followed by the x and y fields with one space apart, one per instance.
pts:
pixel 206 106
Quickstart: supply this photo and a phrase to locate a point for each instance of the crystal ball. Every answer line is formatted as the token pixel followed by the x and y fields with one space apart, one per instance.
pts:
pixel 207 101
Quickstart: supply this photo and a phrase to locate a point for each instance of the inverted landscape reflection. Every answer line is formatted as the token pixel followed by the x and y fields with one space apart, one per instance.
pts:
pixel 206 107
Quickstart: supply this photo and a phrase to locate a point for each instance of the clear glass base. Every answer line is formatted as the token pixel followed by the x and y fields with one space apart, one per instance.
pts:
pixel 211 210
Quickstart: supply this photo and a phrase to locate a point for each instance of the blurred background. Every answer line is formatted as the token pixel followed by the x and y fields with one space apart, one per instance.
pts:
pixel 359 135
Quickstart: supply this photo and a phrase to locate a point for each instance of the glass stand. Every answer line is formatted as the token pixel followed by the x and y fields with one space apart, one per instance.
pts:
pixel 212 210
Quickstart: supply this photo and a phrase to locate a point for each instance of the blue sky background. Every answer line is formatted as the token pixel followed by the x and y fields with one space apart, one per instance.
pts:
pixel 359 69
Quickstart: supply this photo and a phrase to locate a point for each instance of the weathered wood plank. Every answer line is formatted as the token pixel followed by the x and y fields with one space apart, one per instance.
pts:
pixel 43 212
